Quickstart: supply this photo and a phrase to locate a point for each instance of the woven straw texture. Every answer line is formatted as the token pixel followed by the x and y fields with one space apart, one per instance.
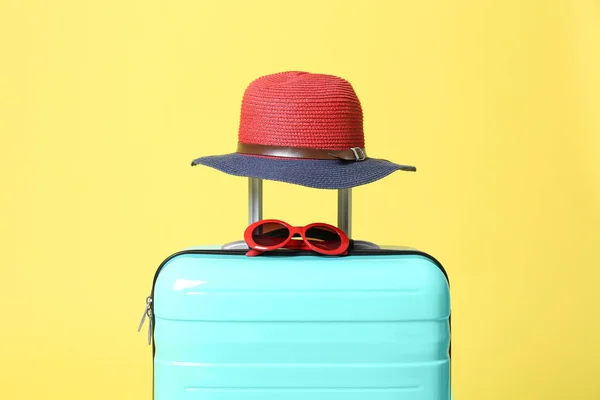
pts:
pixel 321 174
pixel 301 109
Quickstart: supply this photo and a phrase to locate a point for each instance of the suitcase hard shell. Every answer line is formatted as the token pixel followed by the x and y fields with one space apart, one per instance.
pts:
pixel 373 325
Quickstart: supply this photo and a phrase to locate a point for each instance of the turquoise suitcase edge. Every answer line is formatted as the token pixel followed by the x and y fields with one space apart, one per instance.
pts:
pixel 371 325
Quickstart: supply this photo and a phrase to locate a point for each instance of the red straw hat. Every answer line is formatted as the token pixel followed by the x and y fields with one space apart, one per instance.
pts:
pixel 305 129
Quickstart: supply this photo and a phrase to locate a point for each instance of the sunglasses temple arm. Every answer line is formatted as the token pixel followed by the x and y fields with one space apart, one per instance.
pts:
pixel 255 200
pixel 345 211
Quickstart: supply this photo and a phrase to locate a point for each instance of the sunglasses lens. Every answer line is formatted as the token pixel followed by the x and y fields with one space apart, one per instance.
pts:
pixel 323 238
pixel 270 234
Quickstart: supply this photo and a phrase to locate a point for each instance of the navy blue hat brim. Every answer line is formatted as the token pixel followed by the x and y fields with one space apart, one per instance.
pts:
pixel 320 174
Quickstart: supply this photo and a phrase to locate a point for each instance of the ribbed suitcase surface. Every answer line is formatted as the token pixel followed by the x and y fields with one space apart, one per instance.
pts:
pixel 367 326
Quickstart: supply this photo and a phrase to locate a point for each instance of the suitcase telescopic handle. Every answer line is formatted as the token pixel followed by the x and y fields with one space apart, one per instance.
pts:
pixel 255 200
pixel 255 205
pixel 255 213
pixel 344 211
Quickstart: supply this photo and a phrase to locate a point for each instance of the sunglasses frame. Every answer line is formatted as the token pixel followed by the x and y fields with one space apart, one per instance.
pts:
pixel 256 249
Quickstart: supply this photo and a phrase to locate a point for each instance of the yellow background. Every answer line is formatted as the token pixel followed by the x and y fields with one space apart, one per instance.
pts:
pixel 103 104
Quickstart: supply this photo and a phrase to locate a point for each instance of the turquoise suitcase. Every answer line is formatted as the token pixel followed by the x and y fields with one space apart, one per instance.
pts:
pixel 372 325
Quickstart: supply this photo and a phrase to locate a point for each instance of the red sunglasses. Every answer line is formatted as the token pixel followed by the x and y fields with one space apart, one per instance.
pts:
pixel 272 234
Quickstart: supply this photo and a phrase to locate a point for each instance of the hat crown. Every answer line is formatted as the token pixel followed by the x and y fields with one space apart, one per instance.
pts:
pixel 301 109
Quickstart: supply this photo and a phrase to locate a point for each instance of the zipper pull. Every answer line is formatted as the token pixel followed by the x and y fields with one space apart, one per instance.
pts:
pixel 147 313
pixel 150 326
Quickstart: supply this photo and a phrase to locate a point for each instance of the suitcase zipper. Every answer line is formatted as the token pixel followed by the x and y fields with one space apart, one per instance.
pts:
pixel 147 313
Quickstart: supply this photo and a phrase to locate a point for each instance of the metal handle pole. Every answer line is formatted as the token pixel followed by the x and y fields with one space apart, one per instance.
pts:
pixel 345 211
pixel 255 197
